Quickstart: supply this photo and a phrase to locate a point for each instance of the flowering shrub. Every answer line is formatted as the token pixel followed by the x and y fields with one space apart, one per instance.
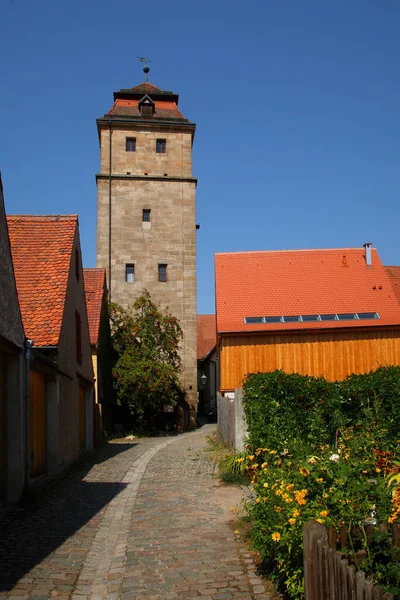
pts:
pixel 333 462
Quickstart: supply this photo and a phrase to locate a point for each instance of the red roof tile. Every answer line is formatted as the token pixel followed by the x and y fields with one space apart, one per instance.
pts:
pixel 145 88
pixel 206 335
pixel 41 248
pixel 302 282
pixel 394 276
pixel 95 288
pixel 164 109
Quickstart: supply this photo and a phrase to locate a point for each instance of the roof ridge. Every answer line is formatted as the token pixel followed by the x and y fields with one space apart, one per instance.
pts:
pixel 290 250
pixel 73 217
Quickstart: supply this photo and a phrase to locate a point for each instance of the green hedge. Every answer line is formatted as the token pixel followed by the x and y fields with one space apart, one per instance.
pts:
pixel 284 411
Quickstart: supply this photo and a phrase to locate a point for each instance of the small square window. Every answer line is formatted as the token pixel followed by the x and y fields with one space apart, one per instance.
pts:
pixel 161 146
pixel 162 272
pixel 131 144
pixel 129 273
pixel 146 215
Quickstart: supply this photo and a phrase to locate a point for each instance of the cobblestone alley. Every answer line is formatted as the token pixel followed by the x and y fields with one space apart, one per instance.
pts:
pixel 148 521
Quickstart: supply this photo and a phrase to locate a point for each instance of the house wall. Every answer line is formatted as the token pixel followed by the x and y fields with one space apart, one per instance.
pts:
pixel 74 374
pixel 333 355
pixel 11 363
pixel 170 237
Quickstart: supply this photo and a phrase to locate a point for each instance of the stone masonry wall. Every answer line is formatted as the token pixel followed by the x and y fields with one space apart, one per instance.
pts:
pixel 169 238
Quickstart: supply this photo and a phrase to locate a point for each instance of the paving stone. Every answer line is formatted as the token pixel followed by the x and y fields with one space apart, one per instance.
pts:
pixel 146 521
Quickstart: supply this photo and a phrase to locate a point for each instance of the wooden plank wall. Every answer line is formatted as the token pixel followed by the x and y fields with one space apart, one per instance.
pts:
pixel 37 424
pixel 333 355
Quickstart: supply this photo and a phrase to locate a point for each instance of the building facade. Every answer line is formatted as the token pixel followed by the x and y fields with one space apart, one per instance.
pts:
pixel 146 209
pixel 326 312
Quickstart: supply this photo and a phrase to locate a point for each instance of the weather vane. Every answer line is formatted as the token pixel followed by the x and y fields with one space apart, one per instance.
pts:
pixel 146 67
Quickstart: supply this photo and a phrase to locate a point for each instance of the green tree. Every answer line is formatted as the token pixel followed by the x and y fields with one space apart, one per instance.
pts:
pixel 146 375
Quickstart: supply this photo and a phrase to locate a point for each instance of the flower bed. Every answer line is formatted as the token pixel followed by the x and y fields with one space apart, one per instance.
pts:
pixel 331 462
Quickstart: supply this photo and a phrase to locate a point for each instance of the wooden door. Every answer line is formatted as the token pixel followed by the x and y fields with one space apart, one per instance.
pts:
pixel 2 429
pixel 82 418
pixel 37 424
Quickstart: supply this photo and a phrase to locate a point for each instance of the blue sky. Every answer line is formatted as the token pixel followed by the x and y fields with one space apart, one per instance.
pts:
pixel 296 103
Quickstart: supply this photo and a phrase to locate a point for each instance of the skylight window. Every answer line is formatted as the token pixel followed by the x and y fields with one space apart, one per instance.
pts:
pixel 368 315
pixel 312 318
pixel 251 320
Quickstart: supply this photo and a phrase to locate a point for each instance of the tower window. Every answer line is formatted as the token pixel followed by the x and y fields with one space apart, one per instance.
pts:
pixel 161 146
pixel 162 272
pixel 131 144
pixel 129 273
pixel 146 215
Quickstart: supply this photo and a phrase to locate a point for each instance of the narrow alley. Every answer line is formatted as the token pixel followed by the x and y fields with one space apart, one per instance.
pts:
pixel 147 521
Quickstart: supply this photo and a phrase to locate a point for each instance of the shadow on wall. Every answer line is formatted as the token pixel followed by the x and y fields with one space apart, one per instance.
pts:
pixel 32 532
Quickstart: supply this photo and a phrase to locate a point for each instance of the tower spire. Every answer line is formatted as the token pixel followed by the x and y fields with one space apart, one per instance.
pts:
pixel 146 67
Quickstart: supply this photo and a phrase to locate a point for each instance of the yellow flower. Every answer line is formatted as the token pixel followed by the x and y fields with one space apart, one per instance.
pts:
pixel 378 470
pixel 251 457
pixel 296 513
pixel 292 521
pixel 319 480
pixel 272 451
pixel 331 490
pixel 325 496
pixel 257 500
pixel 319 520
pixel 278 509
pixel 265 484
pixel 323 513
pixel 265 464
pixel 279 492
pixel 348 501
pixel 276 536
pixel 236 532
pixel 305 472
pixel 254 466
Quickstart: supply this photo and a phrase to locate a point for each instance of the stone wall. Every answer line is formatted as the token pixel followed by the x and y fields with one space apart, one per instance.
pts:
pixel 169 238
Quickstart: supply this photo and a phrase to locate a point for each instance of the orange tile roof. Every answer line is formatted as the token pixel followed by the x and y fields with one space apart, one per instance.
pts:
pixel 41 248
pixel 164 109
pixel 394 276
pixel 301 282
pixel 95 288
pixel 206 335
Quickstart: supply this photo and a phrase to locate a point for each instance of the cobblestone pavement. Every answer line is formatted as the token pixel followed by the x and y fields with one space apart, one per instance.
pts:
pixel 146 522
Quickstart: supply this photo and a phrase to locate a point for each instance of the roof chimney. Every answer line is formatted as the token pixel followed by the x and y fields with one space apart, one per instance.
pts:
pixel 368 253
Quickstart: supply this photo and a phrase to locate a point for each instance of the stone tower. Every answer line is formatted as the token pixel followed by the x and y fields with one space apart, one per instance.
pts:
pixel 146 209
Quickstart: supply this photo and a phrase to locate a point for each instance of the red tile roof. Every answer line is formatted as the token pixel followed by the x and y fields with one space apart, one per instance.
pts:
pixel 206 335
pixel 41 248
pixel 394 276
pixel 164 109
pixel 95 288
pixel 302 282
pixel 145 88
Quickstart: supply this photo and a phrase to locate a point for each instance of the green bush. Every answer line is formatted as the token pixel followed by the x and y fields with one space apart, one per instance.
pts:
pixel 317 448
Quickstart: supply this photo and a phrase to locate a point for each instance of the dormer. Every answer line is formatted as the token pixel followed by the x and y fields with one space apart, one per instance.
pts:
pixel 146 107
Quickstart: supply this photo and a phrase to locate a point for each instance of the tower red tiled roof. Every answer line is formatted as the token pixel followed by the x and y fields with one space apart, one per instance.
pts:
pixel 394 276
pixel 164 109
pixel 126 104
pixel 302 282
pixel 95 286
pixel 206 335
pixel 41 248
